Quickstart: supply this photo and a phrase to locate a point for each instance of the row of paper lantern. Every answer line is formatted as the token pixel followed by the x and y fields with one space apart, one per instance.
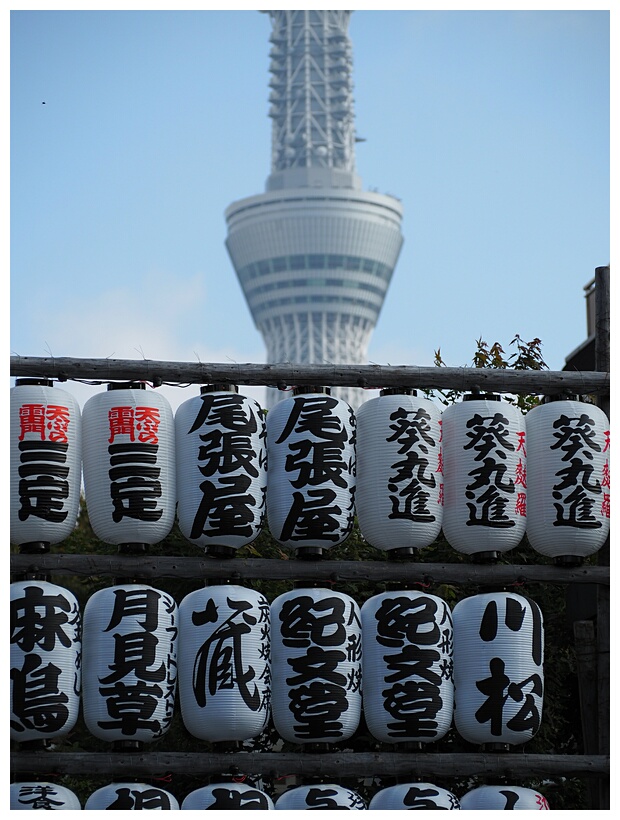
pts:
pixel 405 468
pixel 303 660
pixel 240 796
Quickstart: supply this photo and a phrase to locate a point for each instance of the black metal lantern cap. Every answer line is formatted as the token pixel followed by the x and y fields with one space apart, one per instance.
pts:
pixel 127 386
pixel 220 551
pixel 401 554
pixel 487 557
pixel 568 560
pixel 133 548
pixel 128 746
pixel 34 547
pixel 398 391
pixel 311 388
pixel 496 747
pixel 560 397
pixel 478 396
pixel 41 382
pixel 220 387
pixel 309 553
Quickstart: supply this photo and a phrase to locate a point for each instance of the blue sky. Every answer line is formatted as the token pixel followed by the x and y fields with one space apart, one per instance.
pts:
pixel 492 127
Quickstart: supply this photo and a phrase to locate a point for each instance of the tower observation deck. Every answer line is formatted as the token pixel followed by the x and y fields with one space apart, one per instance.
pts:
pixel 315 253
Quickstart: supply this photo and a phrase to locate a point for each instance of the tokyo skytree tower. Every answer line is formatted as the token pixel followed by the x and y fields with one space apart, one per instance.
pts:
pixel 315 253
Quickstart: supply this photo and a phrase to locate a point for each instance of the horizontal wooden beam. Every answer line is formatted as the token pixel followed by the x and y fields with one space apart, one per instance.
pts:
pixel 283 376
pixel 327 764
pixel 151 567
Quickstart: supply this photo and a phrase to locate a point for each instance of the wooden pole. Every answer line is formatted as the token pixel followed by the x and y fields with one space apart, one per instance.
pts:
pixel 602 360
pixel 150 567
pixel 343 764
pixel 285 376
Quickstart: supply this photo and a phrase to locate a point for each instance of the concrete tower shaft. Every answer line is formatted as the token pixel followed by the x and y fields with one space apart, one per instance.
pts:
pixel 315 253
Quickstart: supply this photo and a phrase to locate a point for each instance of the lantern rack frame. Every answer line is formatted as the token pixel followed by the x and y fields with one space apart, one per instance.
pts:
pixel 593 765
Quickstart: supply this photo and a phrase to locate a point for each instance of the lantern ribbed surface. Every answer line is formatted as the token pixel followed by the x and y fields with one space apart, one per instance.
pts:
pixel 45 660
pixel 498 668
pixel 322 796
pixel 129 466
pixel 221 461
pixel 311 476
pixel 504 798
pixel 316 649
pixel 228 797
pixel 484 460
pixel 399 495
pixel 224 663
pixel 129 662
pixel 131 797
pixel 31 795
pixel 568 478
pixel 46 463
pixel 407 796
pixel 407 667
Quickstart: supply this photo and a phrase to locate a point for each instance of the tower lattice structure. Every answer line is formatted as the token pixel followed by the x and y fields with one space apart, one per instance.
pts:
pixel 315 253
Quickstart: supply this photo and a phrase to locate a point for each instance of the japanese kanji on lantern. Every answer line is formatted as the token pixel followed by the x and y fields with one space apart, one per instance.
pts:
pixel 131 797
pixel 129 667
pixel 407 667
pixel 224 663
pixel 407 796
pixel 484 476
pixel 504 798
pixel 399 494
pixel 311 476
pixel 568 478
pixel 129 469
pixel 221 460
pixel 321 796
pixel 44 796
pixel 498 668
pixel 45 464
pixel 316 651
pixel 228 797
pixel 45 660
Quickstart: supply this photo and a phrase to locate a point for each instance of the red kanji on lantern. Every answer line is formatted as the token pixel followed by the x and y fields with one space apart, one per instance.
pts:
pixel 521 445
pixel 39 418
pixel 32 420
pixel 520 504
pixel 520 474
pixel 57 422
pixel 147 424
pixel 126 421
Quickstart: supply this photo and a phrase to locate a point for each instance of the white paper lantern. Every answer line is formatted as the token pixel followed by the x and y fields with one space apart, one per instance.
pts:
pixel 407 667
pixel 322 796
pixel 568 479
pixel 399 495
pixel 46 464
pixel 224 663
pixel 484 476
pixel 498 668
pixel 504 798
pixel 43 796
pixel 131 797
pixel 129 468
pixel 311 476
pixel 221 458
pixel 316 649
pixel 129 663
pixel 45 660
pixel 228 797
pixel 408 796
